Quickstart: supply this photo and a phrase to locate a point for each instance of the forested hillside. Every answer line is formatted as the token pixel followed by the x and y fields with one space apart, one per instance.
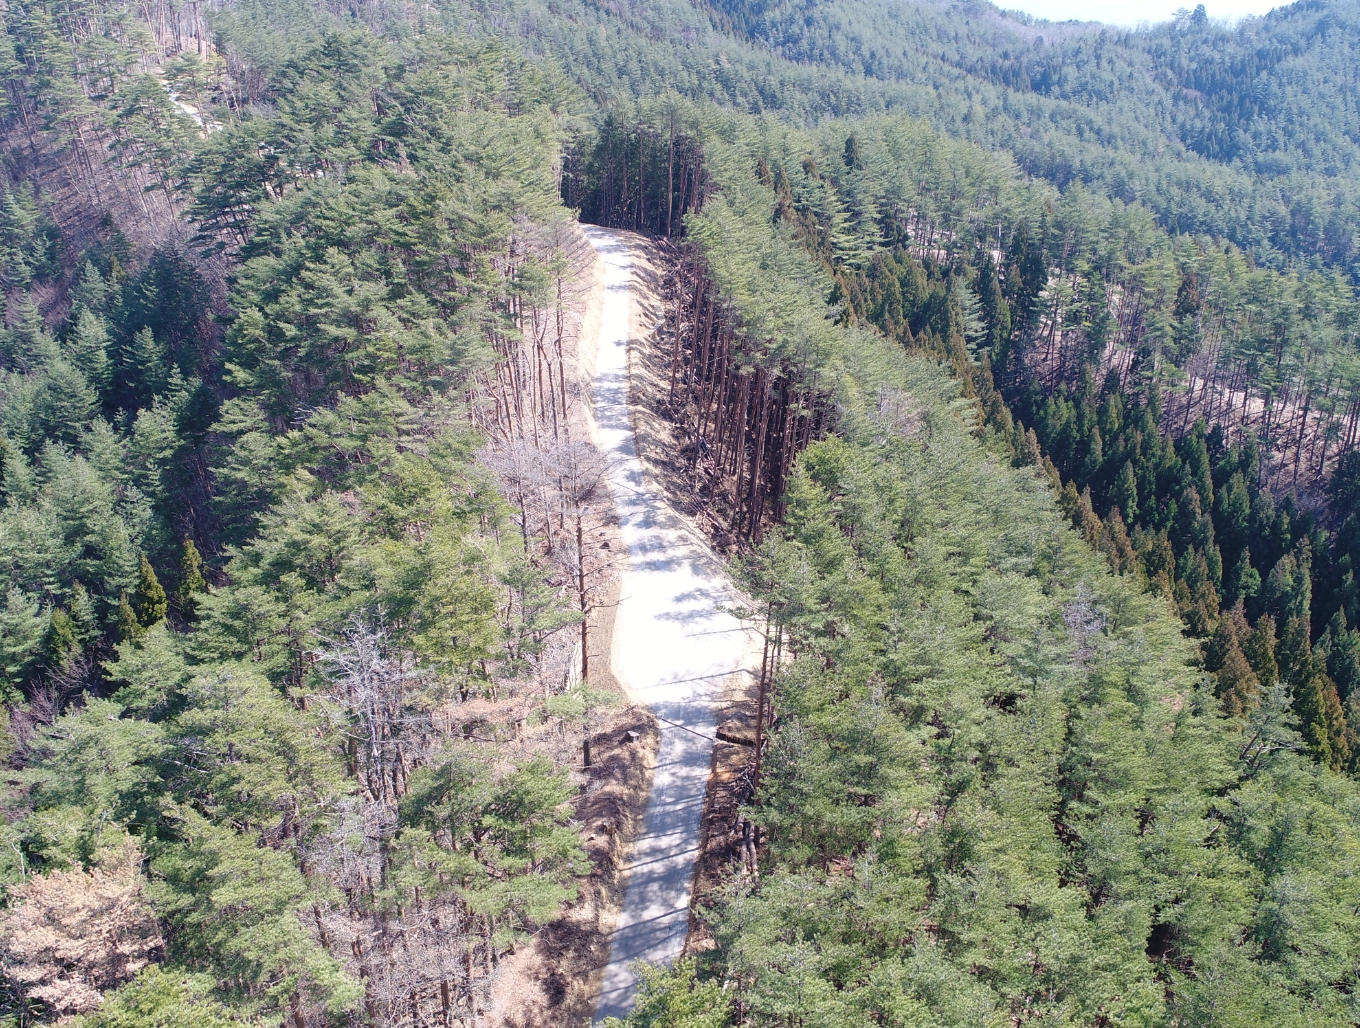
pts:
pixel 291 687
pixel 1244 133
pixel 999 783
pixel 1021 359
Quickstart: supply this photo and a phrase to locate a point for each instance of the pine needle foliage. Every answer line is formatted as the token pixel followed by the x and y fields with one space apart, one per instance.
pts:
pixel 998 785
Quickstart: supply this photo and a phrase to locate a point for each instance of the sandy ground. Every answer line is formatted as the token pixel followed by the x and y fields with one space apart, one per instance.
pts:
pixel 676 649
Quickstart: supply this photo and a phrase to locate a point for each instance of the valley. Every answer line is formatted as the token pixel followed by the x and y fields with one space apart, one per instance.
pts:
pixel 673 515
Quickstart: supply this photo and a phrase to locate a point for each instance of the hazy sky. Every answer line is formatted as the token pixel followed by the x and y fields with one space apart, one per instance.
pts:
pixel 1131 12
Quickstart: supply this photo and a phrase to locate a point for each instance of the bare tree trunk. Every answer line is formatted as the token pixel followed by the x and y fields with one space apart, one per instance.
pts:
pixel 581 591
pixel 670 176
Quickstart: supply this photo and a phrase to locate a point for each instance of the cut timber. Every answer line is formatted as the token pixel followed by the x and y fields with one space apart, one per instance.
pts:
pixel 736 732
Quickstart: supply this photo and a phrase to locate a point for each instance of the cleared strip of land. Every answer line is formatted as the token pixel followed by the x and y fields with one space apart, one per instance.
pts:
pixel 674 645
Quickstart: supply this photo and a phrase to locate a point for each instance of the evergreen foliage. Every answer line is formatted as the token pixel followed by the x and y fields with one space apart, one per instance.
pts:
pixel 319 452
pixel 993 765
pixel 1024 354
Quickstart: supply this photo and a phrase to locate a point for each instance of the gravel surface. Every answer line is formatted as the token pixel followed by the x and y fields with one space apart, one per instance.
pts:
pixel 674 645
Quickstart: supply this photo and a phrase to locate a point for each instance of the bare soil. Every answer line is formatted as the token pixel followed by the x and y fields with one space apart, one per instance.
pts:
pixel 660 445
pixel 552 981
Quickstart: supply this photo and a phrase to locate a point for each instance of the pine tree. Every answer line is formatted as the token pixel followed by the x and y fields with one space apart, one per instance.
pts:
pixel 995 311
pixel 83 617
pixel 1125 492
pixel 23 630
pixel 89 293
pixel 62 645
pixel 28 344
pixel 1259 649
pixel 149 602
pixel 1235 683
pixel 142 369
pixel 854 161
pixel 1024 271
pixel 192 583
pixel 1316 701
pixel 165 998
pixel 1288 591
pixel 87 345
pixel 1243 581
pixel 1322 721
pixel 1339 647
pixel 129 628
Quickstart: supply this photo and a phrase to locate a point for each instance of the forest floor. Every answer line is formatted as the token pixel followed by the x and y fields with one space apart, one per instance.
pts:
pixel 89 207
pixel 1306 434
pixel 676 644
pixel 662 445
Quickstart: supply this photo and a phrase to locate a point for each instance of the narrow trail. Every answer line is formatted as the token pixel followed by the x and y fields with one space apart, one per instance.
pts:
pixel 674 647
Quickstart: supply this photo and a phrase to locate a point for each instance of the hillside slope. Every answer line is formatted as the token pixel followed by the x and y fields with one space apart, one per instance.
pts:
pixel 1020 377
pixel 1246 134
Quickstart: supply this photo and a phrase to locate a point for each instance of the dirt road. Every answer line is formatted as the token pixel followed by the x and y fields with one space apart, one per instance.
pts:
pixel 673 648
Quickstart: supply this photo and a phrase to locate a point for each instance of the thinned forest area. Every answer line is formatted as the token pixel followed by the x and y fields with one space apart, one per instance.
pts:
pixel 1018 361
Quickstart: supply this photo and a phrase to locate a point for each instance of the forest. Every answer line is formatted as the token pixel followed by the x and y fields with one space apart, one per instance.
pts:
pixel 251 556
pixel 1020 360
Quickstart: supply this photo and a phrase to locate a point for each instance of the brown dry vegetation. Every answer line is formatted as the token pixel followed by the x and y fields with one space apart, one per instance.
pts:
pixel 69 936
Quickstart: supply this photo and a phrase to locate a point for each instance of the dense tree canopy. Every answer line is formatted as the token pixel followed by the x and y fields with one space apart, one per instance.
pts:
pixel 1021 358
pixel 249 554
pixel 1001 781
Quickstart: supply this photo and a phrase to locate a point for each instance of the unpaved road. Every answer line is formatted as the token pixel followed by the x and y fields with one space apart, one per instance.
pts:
pixel 674 646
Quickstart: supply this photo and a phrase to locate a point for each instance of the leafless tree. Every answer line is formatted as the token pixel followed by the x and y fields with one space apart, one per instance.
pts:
pixel 70 936
pixel 377 690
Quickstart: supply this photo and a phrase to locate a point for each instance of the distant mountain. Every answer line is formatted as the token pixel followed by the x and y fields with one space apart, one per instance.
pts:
pixel 1248 133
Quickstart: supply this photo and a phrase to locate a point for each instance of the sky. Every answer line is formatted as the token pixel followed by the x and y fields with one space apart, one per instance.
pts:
pixel 1131 12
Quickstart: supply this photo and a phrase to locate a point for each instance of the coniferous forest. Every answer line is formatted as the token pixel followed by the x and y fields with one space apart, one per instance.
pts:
pixel 1018 362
